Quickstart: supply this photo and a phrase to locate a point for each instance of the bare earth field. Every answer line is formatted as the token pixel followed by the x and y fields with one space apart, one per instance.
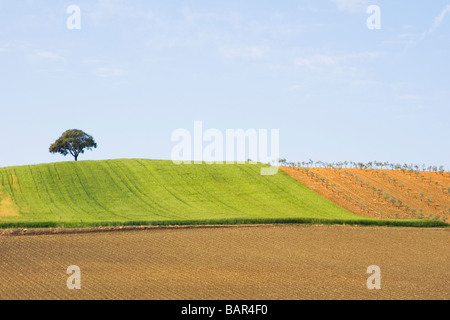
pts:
pixel 380 193
pixel 251 262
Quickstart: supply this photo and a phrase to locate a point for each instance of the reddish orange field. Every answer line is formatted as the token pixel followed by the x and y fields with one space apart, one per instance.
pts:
pixel 381 193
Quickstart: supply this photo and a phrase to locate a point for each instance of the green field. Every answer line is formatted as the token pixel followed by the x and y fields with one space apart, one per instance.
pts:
pixel 137 191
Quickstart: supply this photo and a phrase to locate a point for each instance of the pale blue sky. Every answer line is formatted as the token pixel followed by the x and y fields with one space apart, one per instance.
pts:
pixel 138 70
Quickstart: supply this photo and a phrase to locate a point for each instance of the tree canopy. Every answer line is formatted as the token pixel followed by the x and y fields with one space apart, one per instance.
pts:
pixel 74 142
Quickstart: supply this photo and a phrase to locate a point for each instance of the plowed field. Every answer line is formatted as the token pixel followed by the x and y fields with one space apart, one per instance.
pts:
pixel 254 262
pixel 381 193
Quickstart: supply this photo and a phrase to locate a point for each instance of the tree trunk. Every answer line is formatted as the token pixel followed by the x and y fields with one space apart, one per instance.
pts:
pixel 76 158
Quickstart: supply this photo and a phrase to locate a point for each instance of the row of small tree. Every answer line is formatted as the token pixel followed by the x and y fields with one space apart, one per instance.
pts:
pixel 361 165
pixel 402 210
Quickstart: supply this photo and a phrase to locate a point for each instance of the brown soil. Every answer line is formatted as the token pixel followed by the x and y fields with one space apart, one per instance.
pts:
pixel 380 193
pixel 265 262
pixel 55 231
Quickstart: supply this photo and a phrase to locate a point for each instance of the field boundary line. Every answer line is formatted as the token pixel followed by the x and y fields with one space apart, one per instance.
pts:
pixel 56 231
pixel 90 230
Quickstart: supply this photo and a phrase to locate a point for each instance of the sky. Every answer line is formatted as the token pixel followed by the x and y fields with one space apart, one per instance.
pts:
pixel 136 71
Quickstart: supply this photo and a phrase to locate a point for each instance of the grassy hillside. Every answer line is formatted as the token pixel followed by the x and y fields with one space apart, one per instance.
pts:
pixel 139 191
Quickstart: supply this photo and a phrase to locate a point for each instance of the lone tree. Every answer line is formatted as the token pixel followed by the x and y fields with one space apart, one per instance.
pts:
pixel 74 142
